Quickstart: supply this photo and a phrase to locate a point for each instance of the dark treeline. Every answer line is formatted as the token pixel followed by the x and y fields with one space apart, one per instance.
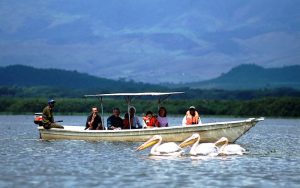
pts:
pixel 216 94
pixel 272 106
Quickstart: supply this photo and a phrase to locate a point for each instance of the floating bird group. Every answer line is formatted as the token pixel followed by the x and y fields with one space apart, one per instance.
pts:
pixel 220 147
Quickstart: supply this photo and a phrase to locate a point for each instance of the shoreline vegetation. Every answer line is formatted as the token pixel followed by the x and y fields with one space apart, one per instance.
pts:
pixel 267 107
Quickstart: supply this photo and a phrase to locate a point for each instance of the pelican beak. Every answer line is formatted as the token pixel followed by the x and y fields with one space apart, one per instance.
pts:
pixel 147 144
pixel 189 141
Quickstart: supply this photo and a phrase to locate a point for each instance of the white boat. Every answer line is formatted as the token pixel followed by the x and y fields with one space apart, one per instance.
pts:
pixel 210 132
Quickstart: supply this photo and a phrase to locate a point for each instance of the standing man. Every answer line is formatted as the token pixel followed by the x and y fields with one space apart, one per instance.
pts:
pixel 48 118
pixel 94 121
pixel 115 121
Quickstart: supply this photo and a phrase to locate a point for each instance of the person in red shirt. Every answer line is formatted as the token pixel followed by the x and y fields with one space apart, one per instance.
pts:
pixel 150 120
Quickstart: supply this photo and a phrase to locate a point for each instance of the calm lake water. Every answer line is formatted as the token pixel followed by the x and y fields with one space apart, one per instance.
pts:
pixel 26 161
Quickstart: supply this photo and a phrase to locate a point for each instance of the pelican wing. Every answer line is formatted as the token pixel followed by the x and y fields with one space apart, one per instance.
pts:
pixel 206 149
pixel 168 147
pixel 234 149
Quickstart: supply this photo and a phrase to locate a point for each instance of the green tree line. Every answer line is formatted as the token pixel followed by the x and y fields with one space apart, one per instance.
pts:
pixel 63 92
pixel 272 106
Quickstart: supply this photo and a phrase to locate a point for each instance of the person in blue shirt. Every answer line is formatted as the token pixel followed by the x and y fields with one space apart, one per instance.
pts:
pixel 134 120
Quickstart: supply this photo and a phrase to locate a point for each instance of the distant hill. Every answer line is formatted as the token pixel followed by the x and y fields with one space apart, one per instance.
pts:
pixel 26 76
pixel 25 81
pixel 251 76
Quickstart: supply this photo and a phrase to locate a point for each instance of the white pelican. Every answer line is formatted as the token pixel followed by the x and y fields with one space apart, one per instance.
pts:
pixel 165 149
pixel 199 149
pixel 229 149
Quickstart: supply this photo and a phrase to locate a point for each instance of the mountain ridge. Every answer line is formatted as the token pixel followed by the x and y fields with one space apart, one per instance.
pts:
pixel 27 76
pixel 252 76
pixel 242 77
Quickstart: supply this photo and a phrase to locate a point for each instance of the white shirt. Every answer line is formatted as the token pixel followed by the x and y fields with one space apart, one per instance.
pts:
pixel 163 121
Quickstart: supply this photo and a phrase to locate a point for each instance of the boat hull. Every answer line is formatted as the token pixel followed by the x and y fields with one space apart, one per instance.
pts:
pixel 210 132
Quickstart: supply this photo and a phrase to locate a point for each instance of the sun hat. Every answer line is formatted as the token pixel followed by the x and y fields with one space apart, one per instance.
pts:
pixel 192 107
pixel 51 101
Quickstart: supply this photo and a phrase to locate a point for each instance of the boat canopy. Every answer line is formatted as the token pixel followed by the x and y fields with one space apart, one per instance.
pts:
pixel 135 94
pixel 129 96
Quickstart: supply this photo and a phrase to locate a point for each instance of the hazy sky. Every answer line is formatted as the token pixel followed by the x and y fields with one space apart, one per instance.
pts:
pixel 150 40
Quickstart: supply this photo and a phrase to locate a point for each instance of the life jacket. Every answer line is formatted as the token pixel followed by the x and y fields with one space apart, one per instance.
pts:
pixel 150 122
pixel 190 120
pixel 38 119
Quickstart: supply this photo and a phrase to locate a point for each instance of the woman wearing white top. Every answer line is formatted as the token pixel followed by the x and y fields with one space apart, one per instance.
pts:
pixel 162 117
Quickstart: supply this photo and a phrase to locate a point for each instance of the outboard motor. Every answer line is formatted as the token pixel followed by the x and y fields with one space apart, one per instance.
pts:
pixel 38 119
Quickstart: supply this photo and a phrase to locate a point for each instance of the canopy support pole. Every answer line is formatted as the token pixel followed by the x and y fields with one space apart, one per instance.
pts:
pixel 161 99
pixel 102 113
pixel 128 101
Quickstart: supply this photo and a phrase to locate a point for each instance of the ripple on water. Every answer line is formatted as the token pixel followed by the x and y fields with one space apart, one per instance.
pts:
pixel 273 160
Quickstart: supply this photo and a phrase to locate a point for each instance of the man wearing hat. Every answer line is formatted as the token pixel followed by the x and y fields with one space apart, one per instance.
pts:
pixel 191 117
pixel 48 119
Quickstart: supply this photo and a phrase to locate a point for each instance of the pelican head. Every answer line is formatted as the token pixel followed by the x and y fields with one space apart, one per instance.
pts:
pixel 222 141
pixel 189 141
pixel 155 139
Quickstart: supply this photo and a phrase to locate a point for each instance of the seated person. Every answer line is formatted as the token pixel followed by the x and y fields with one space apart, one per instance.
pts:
pixel 126 124
pixel 150 120
pixel 162 117
pixel 94 121
pixel 134 120
pixel 48 118
pixel 192 117
pixel 115 121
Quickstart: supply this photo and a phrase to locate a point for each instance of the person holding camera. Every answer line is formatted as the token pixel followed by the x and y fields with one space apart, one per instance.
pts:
pixel 94 121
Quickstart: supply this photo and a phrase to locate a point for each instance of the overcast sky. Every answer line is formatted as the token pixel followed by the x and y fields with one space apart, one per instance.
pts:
pixel 150 40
